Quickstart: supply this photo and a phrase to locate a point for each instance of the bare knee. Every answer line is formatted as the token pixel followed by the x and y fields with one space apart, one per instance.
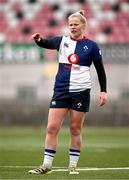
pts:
pixel 52 130
pixel 75 130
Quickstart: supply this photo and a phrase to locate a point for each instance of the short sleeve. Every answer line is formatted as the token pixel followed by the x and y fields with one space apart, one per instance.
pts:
pixel 97 55
pixel 56 41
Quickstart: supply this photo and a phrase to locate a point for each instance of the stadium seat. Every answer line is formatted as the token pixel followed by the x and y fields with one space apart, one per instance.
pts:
pixel 108 21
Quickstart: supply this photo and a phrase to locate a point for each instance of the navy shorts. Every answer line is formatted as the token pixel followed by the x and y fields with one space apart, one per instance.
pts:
pixel 79 101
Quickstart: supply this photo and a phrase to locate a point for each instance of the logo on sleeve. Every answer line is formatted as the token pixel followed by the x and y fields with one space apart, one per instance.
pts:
pixel 73 58
pixel 100 52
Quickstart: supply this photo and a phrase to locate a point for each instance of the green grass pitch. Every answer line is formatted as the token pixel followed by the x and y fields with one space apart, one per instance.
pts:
pixel 104 154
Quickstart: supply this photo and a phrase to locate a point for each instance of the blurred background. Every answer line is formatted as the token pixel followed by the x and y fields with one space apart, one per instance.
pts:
pixel 27 72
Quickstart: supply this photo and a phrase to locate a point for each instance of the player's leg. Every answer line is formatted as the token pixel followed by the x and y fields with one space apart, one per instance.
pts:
pixel 76 124
pixel 59 106
pixel 79 106
pixel 55 119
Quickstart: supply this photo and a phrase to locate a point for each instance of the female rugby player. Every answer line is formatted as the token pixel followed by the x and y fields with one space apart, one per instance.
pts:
pixel 72 88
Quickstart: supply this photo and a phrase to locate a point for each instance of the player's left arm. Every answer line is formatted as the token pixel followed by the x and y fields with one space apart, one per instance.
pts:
pixel 102 81
pixel 98 63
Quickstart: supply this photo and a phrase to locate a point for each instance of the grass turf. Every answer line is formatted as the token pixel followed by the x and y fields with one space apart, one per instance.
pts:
pixel 21 148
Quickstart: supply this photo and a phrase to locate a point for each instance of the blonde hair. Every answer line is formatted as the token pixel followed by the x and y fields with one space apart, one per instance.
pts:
pixel 81 15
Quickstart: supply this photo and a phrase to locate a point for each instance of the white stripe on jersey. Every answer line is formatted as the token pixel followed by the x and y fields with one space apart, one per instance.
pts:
pixel 67 47
pixel 80 78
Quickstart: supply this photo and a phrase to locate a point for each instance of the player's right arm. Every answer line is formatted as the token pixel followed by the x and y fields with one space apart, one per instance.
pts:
pixel 47 43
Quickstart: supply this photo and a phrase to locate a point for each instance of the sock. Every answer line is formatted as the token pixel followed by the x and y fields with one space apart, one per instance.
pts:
pixel 74 155
pixel 49 155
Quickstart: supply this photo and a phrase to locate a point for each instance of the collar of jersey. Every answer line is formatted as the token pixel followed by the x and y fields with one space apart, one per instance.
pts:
pixel 81 39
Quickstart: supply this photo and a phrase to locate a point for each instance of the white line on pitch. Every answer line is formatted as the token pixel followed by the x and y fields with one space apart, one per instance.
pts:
pixel 79 169
pixel 94 169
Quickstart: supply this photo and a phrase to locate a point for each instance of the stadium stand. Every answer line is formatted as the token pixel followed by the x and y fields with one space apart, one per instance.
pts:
pixel 108 20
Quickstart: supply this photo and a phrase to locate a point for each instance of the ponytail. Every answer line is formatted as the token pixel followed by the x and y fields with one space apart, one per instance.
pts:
pixel 80 14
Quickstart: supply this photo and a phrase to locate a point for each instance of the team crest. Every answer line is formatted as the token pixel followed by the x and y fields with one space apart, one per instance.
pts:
pixel 73 58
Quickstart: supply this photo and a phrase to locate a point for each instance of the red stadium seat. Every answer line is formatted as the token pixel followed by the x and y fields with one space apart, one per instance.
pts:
pixel 102 18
